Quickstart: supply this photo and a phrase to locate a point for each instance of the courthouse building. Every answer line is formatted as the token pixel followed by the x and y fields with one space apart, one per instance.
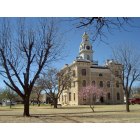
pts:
pixel 86 72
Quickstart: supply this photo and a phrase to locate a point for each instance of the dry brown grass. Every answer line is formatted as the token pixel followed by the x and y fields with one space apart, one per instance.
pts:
pixel 75 114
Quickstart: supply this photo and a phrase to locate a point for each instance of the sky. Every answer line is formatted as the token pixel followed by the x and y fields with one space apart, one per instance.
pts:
pixel 72 38
pixel 102 50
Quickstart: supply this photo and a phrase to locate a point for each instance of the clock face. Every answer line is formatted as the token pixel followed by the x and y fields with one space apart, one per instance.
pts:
pixel 88 47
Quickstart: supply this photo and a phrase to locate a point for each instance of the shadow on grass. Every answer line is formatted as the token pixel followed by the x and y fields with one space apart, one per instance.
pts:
pixel 11 115
pixel 7 109
pixel 73 117
pixel 52 117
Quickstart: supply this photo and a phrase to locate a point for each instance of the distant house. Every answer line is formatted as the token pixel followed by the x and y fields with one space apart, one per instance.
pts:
pixel 7 102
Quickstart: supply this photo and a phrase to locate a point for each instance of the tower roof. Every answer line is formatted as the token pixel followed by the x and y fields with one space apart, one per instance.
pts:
pixel 85 37
pixel 85 33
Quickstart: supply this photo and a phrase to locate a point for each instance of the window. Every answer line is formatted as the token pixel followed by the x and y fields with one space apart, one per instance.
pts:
pixel 88 47
pixel 88 57
pixel 117 84
pixel 84 72
pixel 100 74
pixel 108 83
pixel 73 73
pixel 62 98
pixel 118 96
pixel 108 96
pixel 70 96
pixel 74 84
pixel 84 97
pixel 116 73
pixel 74 96
pixel 101 99
pixel 69 86
pixel 101 83
pixel 93 83
pixel 84 83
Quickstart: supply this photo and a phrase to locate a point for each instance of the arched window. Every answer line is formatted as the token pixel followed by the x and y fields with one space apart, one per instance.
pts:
pixel 84 97
pixel 101 83
pixel 69 96
pixel 84 83
pixel 118 96
pixel 117 84
pixel 100 74
pixel 116 73
pixel 93 83
pixel 108 96
pixel 84 72
pixel 108 83
pixel 73 83
pixel 74 96
pixel 73 73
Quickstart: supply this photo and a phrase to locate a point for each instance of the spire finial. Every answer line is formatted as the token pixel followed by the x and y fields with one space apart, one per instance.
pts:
pixel 85 37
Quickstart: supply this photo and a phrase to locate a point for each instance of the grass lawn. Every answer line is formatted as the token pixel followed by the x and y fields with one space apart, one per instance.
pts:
pixel 68 114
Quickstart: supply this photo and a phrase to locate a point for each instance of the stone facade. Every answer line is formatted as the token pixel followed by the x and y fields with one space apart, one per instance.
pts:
pixel 85 72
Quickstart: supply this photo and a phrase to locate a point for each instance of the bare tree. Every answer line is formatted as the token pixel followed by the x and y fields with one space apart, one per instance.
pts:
pixel 130 60
pixel 26 48
pixel 135 92
pixel 99 26
pixel 55 82
pixel 37 89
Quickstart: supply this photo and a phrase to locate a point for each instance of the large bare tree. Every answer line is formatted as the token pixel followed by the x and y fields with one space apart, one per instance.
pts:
pixel 130 59
pixel 101 26
pixel 26 48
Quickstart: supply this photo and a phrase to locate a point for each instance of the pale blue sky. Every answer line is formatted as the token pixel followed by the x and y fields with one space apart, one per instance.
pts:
pixel 102 51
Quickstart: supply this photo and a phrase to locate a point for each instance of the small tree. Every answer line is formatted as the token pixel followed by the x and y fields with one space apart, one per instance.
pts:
pixel 136 92
pixel 37 89
pixel 90 94
pixel 55 82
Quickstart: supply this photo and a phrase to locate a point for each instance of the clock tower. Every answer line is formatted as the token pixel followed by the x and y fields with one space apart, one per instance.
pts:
pixel 86 52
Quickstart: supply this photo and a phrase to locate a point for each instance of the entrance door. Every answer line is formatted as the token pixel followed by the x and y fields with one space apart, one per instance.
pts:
pixel 102 99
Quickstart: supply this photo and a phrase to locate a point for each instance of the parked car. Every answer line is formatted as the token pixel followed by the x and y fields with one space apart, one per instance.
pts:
pixel 134 101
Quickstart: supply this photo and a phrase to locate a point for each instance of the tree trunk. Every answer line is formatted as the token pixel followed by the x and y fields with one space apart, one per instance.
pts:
pixel 55 102
pixel 33 102
pixel 127 102
pixel 38 103
pixel 26 107
pixel 92 107
pixel 10 104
